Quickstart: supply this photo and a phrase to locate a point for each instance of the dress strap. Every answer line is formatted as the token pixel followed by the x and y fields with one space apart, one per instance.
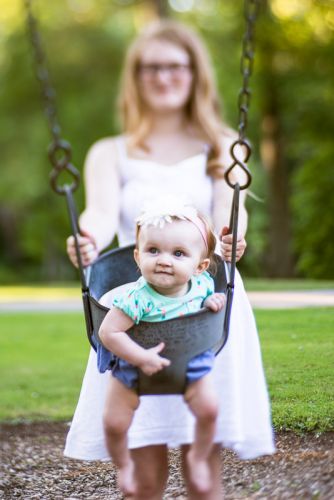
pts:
pixel 120 142
pixel 206 149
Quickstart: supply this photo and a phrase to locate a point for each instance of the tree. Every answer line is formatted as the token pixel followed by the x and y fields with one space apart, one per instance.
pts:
pixel 290 116
pixel 295 43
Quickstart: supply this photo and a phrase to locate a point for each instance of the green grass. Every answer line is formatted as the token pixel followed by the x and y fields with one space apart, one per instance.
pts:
pixel 43 356
pixel 42 360
pixel 298 354
pixel 286 285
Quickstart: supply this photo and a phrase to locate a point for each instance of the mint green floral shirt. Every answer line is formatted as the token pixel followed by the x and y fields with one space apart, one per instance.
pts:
pixel 142 303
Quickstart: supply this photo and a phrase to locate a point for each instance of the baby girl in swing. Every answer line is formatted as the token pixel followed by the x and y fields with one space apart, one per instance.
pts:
pixel 174 248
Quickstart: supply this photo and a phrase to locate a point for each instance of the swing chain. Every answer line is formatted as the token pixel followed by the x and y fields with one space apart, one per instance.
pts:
pixel 59 151
pixel 251 8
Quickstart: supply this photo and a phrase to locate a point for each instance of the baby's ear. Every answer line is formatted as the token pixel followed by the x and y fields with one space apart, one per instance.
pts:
pixel 136 256
pixel 202 266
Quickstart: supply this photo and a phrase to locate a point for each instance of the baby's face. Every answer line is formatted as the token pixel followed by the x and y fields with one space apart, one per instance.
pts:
pixel 168 257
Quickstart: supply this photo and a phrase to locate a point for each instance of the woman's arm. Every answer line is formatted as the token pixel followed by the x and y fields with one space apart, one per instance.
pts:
pixel 101 215
pixel 99 221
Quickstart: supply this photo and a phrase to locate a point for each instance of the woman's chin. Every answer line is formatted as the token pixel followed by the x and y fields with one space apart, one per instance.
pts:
pixel 166 106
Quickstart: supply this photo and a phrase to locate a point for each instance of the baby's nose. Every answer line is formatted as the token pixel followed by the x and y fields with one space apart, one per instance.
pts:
pixel 164 260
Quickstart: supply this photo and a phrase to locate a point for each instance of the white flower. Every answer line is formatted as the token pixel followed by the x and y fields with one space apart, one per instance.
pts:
pixel 161 210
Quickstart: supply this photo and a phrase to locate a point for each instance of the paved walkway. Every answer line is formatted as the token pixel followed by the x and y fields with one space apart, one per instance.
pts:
pixel 258 300
pixel 289 300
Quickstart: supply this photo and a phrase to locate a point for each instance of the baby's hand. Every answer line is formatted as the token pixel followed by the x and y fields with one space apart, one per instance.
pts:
pixel 215 302
pixel 152 362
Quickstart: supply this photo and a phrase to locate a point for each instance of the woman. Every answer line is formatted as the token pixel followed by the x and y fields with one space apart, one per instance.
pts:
pixel 173 142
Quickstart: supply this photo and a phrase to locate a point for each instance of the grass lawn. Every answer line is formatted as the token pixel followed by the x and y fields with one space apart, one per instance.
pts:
pixel 298 353
pixel 286 285
pixel 42 360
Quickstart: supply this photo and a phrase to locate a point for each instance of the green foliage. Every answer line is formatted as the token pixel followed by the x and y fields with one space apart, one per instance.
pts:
pixel 85 43
pixel 313 206
pixel 85 60
pixel 296 77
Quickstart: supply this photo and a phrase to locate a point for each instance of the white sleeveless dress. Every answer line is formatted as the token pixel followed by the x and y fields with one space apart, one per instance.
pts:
pixel 244 423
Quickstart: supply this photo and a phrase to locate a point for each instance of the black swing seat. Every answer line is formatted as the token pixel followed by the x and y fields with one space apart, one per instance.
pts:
pixel 184 337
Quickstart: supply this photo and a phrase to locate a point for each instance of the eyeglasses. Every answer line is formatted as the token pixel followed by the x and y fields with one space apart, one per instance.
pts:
pixel 175 70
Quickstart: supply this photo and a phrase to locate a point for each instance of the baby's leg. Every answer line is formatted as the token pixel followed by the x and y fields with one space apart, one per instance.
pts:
pixel 202 401
pixel 121 403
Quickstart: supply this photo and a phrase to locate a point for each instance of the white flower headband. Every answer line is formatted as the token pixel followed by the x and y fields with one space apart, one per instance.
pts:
pixel 160 211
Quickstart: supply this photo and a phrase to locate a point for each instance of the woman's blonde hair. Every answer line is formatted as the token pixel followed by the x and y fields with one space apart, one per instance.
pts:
pixel 203 106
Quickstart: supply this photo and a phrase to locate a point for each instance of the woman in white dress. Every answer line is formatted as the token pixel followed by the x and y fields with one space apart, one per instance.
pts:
pixel 174 142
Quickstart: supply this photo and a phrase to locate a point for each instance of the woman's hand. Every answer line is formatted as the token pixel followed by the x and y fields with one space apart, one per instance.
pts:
pixel 88 249
pixel 226 245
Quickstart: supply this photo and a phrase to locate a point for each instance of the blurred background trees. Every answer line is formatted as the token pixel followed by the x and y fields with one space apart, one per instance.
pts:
pixel 291 123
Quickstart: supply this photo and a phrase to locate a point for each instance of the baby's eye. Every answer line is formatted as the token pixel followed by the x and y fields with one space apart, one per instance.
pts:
pixel 178 253
pixel 153 250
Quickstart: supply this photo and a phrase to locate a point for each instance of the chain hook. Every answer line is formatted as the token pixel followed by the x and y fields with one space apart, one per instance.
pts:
pixel 251 8
pixel 241 163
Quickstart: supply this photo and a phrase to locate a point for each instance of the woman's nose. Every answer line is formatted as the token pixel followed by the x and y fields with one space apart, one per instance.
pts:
pixel 163 75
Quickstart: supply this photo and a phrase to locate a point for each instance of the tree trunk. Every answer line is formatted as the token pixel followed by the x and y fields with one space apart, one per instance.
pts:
pixel 10 248
pixel 278 258
pixel 161 8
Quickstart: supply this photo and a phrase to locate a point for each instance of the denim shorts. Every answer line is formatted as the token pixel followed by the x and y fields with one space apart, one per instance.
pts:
pixel 197 367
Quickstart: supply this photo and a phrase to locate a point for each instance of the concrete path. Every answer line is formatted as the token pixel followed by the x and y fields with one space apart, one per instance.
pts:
pixel 289 300
pixel 55 305
pixel 258 300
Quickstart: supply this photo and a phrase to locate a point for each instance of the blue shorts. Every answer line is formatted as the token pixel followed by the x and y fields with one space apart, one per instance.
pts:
pixel 197 367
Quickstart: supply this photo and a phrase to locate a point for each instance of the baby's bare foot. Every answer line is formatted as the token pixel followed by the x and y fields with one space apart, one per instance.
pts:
pixel 200 474
pixel 125 479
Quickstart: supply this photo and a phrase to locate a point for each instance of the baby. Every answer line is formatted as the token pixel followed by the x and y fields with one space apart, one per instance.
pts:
pixel 174 247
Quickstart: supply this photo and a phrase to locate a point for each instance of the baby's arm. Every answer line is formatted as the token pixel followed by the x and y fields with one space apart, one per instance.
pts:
pixel 113 336
pixel 215 302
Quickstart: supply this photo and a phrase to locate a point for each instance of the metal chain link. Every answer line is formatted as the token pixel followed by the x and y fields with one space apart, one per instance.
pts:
pixel 59 151
pixel 251 8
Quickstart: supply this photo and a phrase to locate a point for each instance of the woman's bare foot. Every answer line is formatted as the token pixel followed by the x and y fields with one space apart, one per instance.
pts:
pixel 126 480
pixel 199 472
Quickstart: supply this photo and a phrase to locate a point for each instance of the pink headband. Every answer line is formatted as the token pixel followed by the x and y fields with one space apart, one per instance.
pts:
pixel 197 221
pixel 160 211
